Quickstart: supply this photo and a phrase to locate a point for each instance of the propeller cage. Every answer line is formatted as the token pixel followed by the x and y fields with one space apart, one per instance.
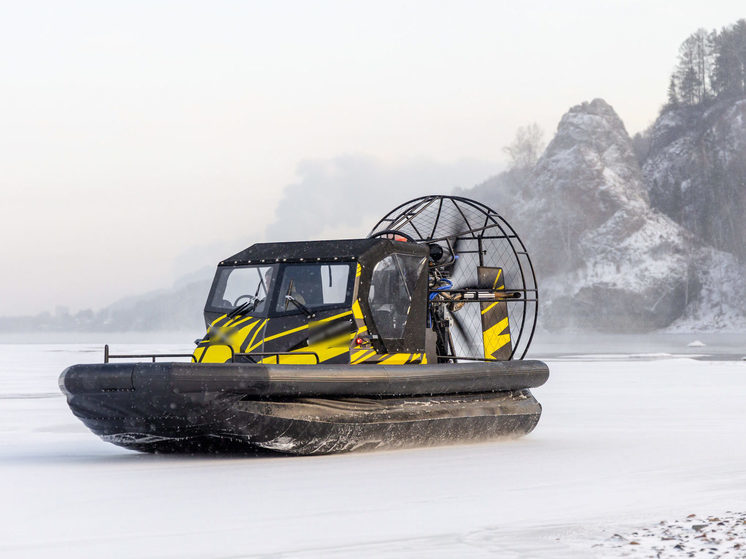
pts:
pixel 483 297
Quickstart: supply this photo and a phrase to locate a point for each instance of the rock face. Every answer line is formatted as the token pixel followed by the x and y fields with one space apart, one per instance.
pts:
pixel 606 259
pixel 696 171
pixel 587 179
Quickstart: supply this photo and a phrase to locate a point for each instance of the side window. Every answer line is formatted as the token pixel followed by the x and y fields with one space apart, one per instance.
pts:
pixel 392 287
pixel 313 285
pixel 334 281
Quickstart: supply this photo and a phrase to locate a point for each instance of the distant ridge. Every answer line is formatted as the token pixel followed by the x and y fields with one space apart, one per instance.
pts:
pixel 175 309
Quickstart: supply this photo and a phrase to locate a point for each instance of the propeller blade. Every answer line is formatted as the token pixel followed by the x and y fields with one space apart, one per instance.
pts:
pixel 459 327
pixel 460 269
pixel 453 268
pixel 455 251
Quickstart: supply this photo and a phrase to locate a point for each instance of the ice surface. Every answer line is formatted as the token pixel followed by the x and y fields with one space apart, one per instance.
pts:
pixel 719 537
pixel 622 443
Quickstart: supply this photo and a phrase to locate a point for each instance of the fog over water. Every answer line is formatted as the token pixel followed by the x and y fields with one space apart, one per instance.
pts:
pixel 141 138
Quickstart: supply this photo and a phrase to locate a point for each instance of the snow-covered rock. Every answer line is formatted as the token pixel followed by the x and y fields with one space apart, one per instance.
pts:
pixel 605 259
pixel 720 304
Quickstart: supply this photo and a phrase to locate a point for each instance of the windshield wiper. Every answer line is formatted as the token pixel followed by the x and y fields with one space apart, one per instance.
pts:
pixel 247 306
pixel 303 308
pixel 239 309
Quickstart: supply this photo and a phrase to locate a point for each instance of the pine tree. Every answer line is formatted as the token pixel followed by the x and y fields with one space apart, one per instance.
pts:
pixel 689 86
pixel 673 96
pixel 730 60
pixel 702 63
pixel 710 65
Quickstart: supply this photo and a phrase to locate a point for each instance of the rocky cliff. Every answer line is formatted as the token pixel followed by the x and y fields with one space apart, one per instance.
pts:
pixel 606 258
pixel 695 169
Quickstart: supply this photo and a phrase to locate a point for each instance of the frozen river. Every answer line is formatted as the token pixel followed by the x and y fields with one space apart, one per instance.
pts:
pixel 625 440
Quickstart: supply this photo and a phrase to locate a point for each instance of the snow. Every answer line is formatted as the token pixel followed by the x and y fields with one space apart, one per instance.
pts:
pixel 719 536
pixel 623 442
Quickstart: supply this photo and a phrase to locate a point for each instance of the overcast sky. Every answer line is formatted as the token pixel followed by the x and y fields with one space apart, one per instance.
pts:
pixel 139 138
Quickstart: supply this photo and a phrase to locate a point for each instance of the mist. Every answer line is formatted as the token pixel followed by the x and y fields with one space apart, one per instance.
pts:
pixel 344 197
pixel 141 138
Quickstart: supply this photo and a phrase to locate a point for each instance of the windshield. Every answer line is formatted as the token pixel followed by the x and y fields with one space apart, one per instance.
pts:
pixel 245 285
pixel 295 288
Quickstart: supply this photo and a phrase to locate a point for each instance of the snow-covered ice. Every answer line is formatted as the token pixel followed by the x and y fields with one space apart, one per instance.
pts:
pixel 622 443
pixel 721 536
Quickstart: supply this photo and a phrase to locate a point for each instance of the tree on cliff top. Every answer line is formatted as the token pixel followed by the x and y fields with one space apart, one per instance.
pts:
pixel 710 65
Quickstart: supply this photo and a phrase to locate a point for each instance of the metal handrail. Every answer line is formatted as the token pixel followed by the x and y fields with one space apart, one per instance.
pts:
pixel 457 357
pixel 153 356
pixel 276 354
pixel 262 353
pixel 108 356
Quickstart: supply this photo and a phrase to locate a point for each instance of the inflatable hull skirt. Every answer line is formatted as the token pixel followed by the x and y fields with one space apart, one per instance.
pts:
pixel 168 415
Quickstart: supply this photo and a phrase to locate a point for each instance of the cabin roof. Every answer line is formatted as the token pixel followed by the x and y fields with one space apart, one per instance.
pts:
pixel 302 251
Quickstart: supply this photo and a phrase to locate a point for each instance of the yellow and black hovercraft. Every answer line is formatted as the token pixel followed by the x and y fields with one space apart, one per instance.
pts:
pixel 413 336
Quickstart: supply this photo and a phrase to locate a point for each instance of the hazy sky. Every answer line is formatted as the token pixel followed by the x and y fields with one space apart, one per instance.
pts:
pixel 139 138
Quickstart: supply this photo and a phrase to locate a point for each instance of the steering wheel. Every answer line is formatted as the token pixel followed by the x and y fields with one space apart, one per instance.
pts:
pixel 247 296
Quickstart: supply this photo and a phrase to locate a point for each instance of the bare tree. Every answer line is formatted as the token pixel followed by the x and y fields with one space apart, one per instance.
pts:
pixel 526 147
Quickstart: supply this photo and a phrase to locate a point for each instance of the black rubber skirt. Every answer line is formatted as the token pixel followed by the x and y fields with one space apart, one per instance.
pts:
pixel 302 409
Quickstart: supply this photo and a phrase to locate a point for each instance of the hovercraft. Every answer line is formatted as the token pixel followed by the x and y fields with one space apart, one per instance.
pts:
pixel 414 336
